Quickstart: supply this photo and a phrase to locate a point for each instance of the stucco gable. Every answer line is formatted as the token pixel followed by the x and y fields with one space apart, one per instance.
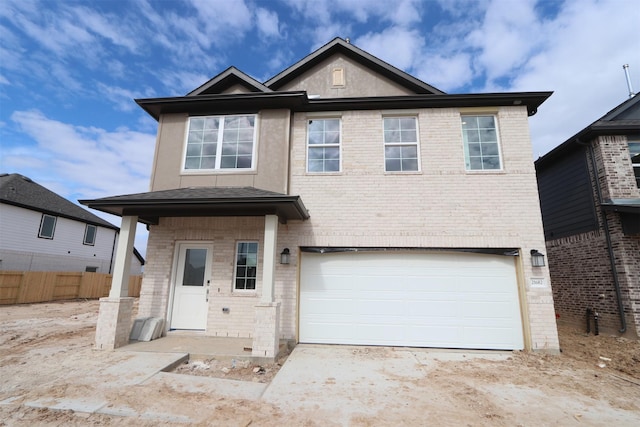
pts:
pixel 340 69
pixel 230 80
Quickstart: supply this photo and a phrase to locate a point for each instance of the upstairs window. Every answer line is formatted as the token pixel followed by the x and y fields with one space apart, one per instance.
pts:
pixel 634 150
pixel 323 145
pixel 480 137
pixel 90 235
pixel 246 266
pixel 47 226
pixel 400 144
pixel 220 143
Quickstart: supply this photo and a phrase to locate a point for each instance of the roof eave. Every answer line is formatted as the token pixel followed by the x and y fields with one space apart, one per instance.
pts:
pixel 149 211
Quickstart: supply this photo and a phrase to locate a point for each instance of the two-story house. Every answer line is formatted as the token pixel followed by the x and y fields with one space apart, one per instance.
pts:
pixel 342 201
pixel 42 231
pixel 590 198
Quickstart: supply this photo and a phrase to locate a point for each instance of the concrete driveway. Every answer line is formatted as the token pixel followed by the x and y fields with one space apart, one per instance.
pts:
pixel 345 385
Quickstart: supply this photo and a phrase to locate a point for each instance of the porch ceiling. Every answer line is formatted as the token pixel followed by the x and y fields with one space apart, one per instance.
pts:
pixel 202 201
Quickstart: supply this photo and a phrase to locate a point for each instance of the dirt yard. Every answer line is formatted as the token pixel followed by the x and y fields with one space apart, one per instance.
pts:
pixel 39 341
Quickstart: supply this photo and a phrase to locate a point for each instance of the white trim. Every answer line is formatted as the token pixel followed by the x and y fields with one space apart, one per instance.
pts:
pixel 339 145
pixel 53 229
pixel 496 123
pixel 217 169
pixel 235 268
pixel 400 144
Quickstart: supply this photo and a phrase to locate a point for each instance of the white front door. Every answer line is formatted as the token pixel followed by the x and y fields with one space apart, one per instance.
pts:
pixel 191 286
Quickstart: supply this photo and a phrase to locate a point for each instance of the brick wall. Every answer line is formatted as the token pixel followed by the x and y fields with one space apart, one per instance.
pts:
pixel 580 265
pixel 442 206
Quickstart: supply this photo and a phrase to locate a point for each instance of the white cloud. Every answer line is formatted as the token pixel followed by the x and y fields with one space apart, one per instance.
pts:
pixel 510 32
pixel 105 163
pixel 123 98
pixel 267 23
pixel 397 46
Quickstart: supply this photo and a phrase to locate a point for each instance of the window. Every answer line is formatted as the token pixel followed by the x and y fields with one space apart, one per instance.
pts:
pixel 220 142
pixel 47 226
pixel 246 266
pixel 400 144
pixel 90 269
pixel 634 150
pixel 480 136
pixel 323 145
pixel 90 235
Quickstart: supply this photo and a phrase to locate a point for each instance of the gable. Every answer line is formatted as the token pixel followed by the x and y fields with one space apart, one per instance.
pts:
pixel 230 80
pixel 340 76
pixel 304 70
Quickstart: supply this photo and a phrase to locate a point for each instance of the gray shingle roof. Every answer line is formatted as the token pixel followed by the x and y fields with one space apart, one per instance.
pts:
pixel 21 191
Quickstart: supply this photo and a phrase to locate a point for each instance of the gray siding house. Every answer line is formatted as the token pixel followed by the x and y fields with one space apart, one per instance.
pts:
pixel 42 231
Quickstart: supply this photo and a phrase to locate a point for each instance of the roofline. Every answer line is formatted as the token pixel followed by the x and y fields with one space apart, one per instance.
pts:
pixel 231 71
pixel 62 215
pixel 378 65
pixel 299 101
pixel 150 210
pixel 594 130
pixel 584 137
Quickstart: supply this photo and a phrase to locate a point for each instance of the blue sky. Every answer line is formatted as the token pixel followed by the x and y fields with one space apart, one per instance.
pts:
pixel 69 70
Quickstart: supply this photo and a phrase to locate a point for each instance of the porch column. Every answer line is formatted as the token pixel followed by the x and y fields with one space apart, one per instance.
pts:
pixel 269 259
pixel 266 333
pixel 114 318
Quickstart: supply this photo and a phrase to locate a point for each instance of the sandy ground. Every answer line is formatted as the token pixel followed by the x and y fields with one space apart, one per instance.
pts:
pixel 39 342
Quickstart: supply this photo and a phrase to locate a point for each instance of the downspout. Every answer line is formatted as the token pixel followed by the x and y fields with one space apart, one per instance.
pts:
pixel 607 234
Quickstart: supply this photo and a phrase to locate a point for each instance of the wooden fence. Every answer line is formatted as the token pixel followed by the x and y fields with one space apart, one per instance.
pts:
pixel 19 287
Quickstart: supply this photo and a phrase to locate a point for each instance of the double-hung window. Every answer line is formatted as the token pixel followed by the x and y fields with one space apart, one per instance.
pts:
pixel 220 142
pixel 481 149
pixel 47 226
pixel 323 145
pixel 400 144
pixel 246 266
pixel 634 150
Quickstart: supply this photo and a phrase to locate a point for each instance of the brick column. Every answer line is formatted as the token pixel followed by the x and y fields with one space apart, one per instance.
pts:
pixel 266 341
pixel 114 318
pixel 114 323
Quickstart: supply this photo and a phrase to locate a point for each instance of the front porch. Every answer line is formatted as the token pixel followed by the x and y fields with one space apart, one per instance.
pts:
pixel 181 219
pixel 200 346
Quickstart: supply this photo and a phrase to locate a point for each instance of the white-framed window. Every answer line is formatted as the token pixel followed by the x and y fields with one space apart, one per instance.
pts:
pixel 401 144
pixel 47 226
pixel 323 145
pixel 481 147
pixel 90 232
pixel 246 266
pixel 634 150
pixel 220 142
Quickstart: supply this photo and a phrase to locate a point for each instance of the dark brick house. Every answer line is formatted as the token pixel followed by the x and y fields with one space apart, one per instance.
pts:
pixel 590 198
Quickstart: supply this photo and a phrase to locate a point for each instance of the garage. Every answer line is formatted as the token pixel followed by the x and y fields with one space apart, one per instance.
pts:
pixel 416 299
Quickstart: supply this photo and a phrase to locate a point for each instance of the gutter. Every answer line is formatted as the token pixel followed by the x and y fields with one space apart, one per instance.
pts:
pixel 607 233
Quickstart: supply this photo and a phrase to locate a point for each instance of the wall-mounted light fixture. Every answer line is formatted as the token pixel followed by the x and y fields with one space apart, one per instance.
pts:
pixel 537 259
pixel 284 256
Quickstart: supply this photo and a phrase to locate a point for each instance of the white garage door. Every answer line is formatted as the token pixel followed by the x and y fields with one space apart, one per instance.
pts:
pixel 447 300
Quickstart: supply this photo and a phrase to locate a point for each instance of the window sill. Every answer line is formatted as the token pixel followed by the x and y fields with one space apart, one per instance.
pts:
pixel 219 172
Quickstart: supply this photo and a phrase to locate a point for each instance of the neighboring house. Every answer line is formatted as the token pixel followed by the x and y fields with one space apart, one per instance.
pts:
pixel 42 231
pixel 342 201
pixel 590 197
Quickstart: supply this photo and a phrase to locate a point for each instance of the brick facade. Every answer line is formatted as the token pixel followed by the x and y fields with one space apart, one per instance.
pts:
pixel 442 206
pixel 580 265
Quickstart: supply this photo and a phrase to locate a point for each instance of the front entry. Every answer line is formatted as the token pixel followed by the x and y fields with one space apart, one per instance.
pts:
pixel 191 286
